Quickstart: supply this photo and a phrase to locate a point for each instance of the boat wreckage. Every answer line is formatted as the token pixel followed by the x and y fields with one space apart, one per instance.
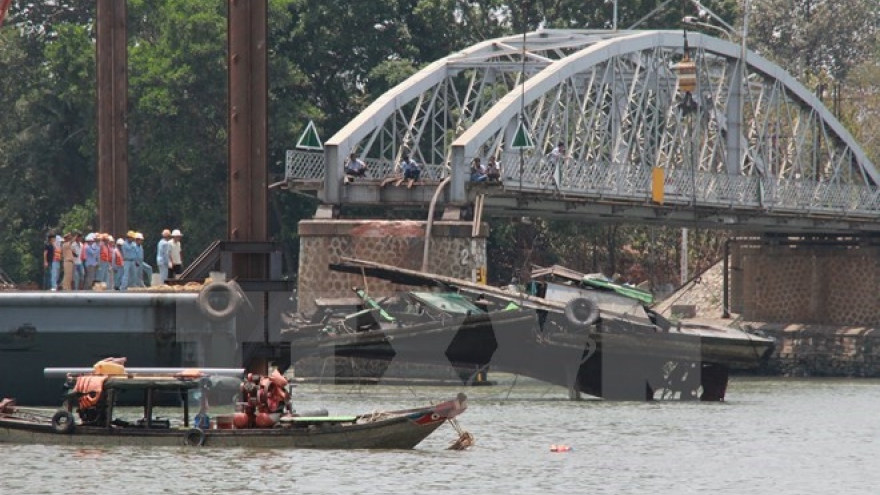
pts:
pixel 580 332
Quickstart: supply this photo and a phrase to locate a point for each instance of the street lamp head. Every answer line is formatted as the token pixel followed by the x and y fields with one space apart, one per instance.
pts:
pixel 695 21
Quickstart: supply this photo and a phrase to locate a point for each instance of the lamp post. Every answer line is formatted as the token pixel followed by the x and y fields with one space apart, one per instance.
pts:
pixel 522 82
pixel 614 14
pixel 734 140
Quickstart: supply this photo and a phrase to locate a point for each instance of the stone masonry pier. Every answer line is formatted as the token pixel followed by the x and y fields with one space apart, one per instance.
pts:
pixel 821 302
pixel 453 251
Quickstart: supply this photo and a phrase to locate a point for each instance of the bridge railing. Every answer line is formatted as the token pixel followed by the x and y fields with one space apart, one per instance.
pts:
pixel 304 165
pixel 309 165
pixel 603 180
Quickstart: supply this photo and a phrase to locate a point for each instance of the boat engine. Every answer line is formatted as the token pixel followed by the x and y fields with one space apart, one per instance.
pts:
pixel 263 400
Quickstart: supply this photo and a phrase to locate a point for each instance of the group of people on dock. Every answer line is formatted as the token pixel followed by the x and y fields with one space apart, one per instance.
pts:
pixel 98 261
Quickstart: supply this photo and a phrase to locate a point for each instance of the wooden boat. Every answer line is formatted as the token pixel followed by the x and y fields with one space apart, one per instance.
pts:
pixel 99 424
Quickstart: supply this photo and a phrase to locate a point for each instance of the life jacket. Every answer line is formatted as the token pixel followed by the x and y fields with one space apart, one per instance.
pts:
pixel 105 253
pixel 90 388
pixel 265 394
pixel 272 396
pixel 57 256
pixel 118 256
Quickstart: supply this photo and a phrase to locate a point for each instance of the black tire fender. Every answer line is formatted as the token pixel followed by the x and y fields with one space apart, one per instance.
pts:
pixel 581 312
pixel 194 437
pixel 63 422
pixel 233 299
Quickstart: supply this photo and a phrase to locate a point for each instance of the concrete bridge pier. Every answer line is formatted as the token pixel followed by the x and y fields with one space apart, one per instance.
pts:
pixel 455 249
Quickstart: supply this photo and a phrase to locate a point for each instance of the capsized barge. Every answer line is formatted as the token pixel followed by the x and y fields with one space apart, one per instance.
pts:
pixel 593 342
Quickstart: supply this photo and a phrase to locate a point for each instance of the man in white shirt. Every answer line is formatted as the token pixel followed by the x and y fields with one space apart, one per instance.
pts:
pixel 79 272
pixel 176 253
pixel 163 255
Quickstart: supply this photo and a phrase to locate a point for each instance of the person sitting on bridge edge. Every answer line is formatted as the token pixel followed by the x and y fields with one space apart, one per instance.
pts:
pixel 478 172
pixel 411 170
pixel 493 170
pixel 354 167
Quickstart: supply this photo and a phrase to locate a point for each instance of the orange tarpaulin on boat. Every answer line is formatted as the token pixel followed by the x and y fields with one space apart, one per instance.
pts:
pixel 89 387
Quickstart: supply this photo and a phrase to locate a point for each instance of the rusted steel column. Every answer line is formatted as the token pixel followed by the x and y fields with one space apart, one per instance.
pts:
pixel 248 131
pixel 112 72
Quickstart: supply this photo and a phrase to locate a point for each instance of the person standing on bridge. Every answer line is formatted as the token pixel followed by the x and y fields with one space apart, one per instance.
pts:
pixel 555 160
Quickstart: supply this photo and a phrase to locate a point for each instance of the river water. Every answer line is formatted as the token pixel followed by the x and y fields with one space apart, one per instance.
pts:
pixel 772 436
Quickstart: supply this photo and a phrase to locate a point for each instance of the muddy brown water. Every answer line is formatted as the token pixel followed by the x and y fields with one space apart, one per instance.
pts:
pixel 773 436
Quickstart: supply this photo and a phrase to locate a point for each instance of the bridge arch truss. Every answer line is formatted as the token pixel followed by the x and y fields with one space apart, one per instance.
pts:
pixel 613 99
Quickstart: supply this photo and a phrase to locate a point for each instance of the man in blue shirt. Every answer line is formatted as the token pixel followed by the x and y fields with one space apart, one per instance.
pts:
pixel 142 269
pixel 93 256
pixel 129 258
pixel 411 170
pixel 163 255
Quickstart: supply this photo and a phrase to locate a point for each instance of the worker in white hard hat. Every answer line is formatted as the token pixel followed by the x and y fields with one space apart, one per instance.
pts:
pixel 129 258
pixel 163 255
pixel 92 258
pixel 79 271
pixel 176 253
pixel 118 264
pixel 142 269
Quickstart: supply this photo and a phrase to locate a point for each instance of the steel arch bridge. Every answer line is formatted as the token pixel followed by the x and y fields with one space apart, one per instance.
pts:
pixel 750 147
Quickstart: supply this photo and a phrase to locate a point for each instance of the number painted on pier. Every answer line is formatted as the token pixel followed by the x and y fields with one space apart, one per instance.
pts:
pixel 465 257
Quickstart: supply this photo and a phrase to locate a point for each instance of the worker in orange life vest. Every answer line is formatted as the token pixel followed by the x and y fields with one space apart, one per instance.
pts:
pixel 118 266
pixel 104 248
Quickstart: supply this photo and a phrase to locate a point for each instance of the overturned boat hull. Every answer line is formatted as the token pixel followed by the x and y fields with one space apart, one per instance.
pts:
pixel 614 359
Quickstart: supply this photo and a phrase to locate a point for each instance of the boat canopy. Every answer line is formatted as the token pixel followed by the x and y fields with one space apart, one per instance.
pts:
pixel 156 383
pixel 594 280
pixel 449 302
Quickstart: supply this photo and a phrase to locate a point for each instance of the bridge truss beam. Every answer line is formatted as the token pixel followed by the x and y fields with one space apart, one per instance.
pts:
pixel 613 99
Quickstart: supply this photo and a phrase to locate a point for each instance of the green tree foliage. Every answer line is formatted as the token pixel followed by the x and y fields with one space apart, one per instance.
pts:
pixel 812 37
pixel 328 59
pixel 47 141
pixel 177 123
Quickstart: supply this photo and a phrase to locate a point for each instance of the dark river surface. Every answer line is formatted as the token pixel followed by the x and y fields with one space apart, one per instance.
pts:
pixel 772 436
